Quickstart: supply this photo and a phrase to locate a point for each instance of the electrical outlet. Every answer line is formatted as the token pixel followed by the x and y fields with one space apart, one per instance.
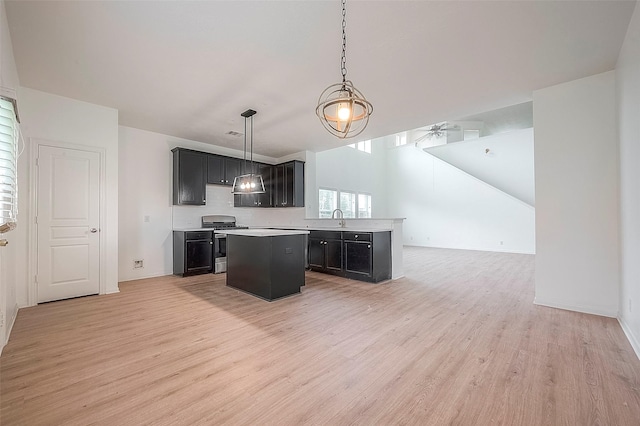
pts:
pixel 137 264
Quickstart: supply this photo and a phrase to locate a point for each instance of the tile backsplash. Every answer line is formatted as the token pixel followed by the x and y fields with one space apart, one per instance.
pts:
pixel 220 201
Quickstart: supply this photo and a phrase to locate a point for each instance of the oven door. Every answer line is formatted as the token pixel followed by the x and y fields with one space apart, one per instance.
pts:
pixel 219 253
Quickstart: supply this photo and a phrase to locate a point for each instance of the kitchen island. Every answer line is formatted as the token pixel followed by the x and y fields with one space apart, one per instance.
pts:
pixel 267 263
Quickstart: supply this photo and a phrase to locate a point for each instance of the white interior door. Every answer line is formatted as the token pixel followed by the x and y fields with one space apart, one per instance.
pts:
pixel 68 223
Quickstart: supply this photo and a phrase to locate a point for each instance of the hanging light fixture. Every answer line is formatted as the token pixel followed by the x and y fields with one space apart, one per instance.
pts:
pixel 343 109
pixel 248 183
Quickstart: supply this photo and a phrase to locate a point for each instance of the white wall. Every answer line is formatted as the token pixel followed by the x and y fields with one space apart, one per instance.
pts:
pixel 446 207
pixel 576 169
pixel 628 93
pixel 507 166
pixel 351 170
pixel 10 253
pixel 145 193
pixel 55 118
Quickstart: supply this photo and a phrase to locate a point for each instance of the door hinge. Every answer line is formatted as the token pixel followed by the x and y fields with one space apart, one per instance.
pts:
pixel 35 220
pixel 37 161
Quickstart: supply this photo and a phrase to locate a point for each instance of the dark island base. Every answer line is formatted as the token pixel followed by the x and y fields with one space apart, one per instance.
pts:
pixel 267 267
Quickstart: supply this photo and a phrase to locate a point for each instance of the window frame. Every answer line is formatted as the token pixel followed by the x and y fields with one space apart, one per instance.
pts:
pixel 9 136
pixel 338 193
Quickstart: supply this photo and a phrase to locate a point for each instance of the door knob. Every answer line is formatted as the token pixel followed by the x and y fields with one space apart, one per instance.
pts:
pixel 93 230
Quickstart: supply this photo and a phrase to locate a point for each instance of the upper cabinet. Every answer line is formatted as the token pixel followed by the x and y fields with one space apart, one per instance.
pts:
pixel 222 170
pixel 189 177
pixel 289 184
pixel 258 200
pixel 193 170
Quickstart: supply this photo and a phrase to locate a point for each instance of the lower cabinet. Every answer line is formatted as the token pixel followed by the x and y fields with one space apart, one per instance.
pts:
pixel 192 252
pixel 364 256
pixel 325 251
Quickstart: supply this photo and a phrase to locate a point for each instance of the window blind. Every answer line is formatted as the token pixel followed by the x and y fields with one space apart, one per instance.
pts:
pixel 8 166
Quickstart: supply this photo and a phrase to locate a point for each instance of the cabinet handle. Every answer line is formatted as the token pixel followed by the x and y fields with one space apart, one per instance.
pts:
pixel 356 236
pixel 211 242
pixel 222 180
pixel 369 246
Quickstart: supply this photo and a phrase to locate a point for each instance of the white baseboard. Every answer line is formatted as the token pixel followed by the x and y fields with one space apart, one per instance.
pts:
pixel 9 328
pixel 635 343
pixel 145 276
pixel 593 310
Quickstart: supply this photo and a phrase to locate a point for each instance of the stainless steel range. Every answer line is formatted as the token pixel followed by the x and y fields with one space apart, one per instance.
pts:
pixel 218 223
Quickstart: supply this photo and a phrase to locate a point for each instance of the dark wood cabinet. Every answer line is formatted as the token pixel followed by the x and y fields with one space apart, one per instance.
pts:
pixel 266 199
pixel 363 256
pixel 258 200
pixel 289 184
pixel 325 251
pixel 193 170
pixel 222 170
pixel 367 255
pixel 189 177
pixel 192 252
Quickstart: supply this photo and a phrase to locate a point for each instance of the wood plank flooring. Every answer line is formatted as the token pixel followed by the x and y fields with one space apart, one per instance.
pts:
pixel 457 341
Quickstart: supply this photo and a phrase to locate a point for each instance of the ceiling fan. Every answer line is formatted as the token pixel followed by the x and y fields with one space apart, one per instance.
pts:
pixel 436 131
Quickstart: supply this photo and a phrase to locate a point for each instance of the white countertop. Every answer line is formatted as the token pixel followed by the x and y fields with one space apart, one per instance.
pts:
pixel 264 232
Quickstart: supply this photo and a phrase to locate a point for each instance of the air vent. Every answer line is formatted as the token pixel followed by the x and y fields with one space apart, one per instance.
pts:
pixel 232 133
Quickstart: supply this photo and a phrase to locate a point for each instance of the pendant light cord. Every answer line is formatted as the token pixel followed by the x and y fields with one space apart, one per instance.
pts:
pixel 343 61
pixel 244 163
pixel 251 149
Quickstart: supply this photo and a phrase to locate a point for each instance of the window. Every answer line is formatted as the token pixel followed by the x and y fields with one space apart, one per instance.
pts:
pixel 401 139
pixel 364 205
pixel 348 204
pixel 364 146
pixel 353 205
pixel 328 202
pixel 8 160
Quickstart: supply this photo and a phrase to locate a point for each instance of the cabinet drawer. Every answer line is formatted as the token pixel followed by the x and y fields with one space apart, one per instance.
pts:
pixel 198 235
pixel 357 236
pixel 326 235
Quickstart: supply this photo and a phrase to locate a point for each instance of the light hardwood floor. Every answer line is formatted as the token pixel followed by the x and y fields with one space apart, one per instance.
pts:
pixel 457 341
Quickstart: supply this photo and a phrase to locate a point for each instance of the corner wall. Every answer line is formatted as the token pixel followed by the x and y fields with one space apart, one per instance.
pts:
pixel 576 183
pixel 628 94
pixel 59 119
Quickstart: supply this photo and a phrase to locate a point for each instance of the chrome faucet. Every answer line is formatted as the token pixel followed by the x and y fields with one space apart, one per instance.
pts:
pixel 341 222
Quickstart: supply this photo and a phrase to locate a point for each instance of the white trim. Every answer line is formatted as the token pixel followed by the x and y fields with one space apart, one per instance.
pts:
pixel 32 228
pixel 635 344
pixel 8 328
pixel 145 276
pixel 593 310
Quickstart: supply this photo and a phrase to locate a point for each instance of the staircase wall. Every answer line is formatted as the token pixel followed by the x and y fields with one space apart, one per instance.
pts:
pixel 508 165
pixel 447 207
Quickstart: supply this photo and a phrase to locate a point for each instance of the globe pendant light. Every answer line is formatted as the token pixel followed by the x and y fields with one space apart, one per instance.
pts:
pixel 343 109
pixel 248 183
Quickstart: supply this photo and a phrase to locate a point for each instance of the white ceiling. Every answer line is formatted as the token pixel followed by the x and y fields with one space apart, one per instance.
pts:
pixel 188 69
